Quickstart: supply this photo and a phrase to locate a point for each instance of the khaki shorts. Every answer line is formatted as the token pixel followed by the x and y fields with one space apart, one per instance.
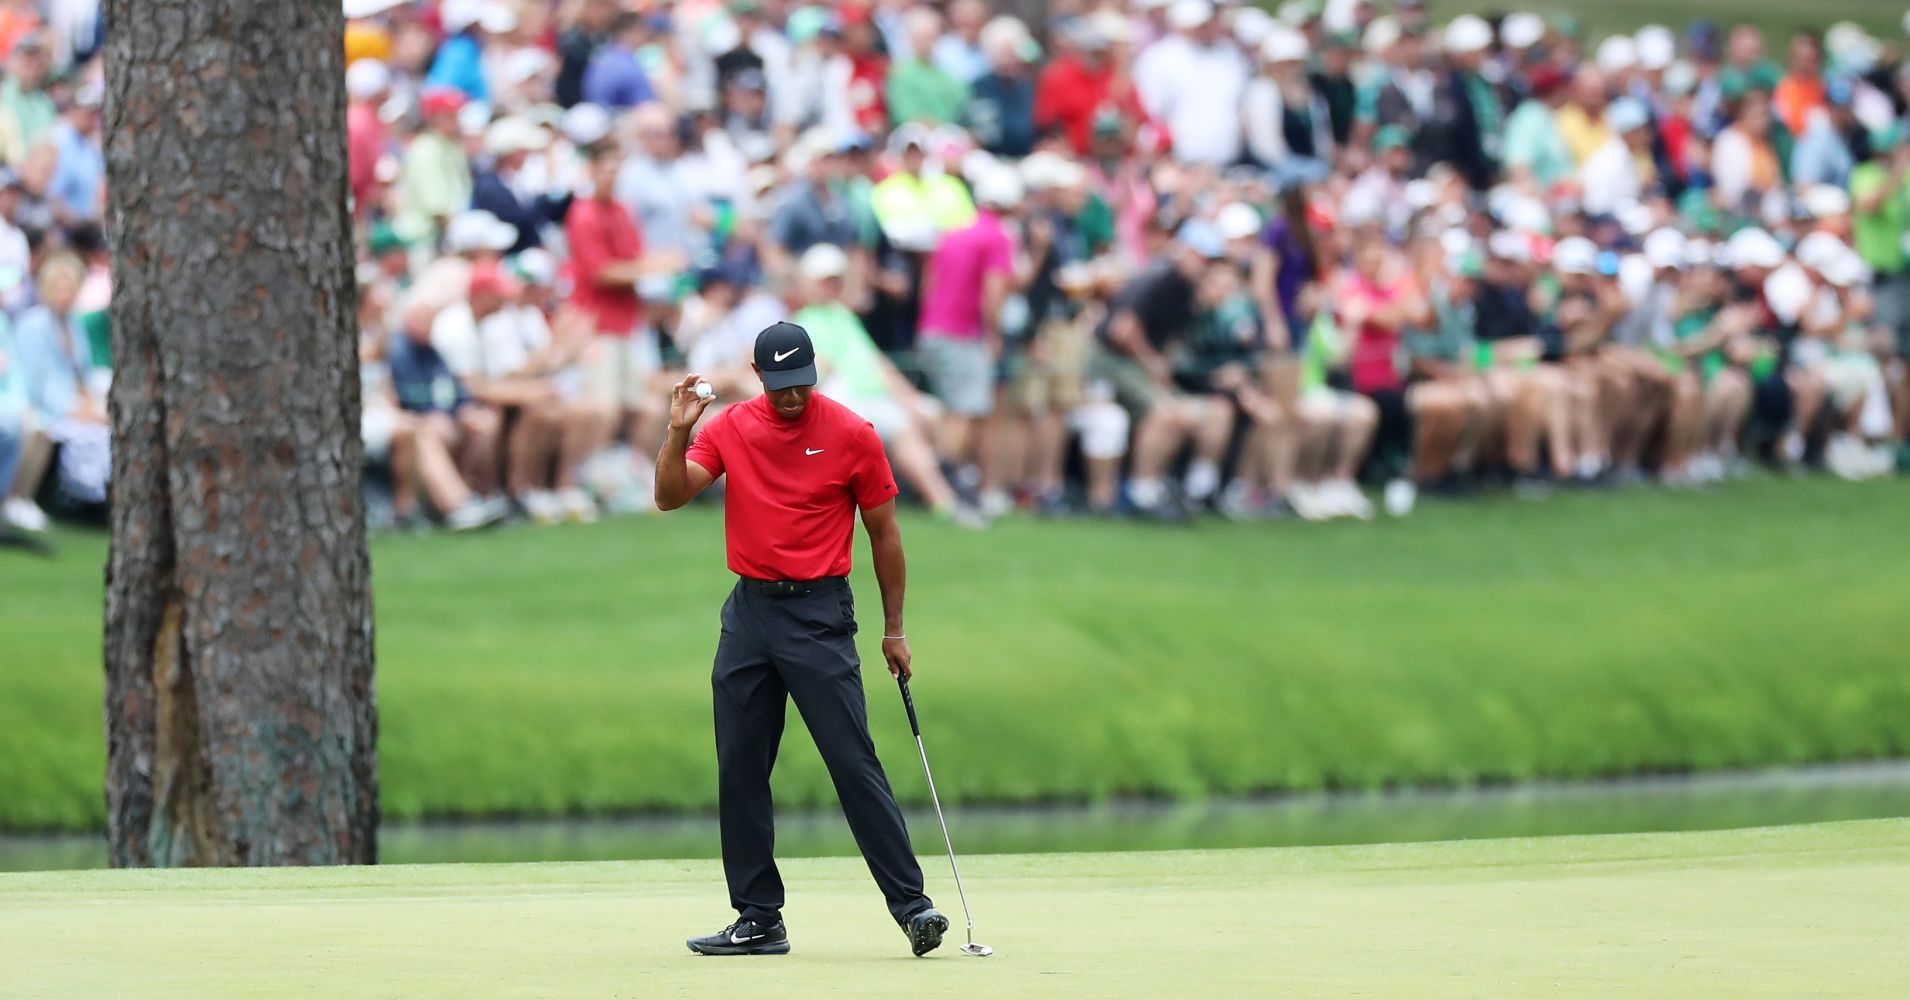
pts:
pixel 1133 388
pixel 1057 382
pixel 618 369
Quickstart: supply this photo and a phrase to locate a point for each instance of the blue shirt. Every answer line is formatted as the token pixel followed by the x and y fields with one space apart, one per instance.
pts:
pixel 82 171
pixel 1821 155
pixel 52 359
pixel 615 79
pixel 1001 114
pixel 460 64
pixel 421 379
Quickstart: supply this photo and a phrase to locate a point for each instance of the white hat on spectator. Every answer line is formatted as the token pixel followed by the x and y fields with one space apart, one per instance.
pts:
pixel 1635 218
pixel 1295 13
pixel 474 118
pixel 1787 291
pixel 536 265
pixel 1665 249
pixel 1508 245
pixel 1283 44
pixel 457 15
pixel 1251 25
pixel 1700 253
pixel 1656 46
pixel 721 35
pixel 1110 28
pixel 366 79
pixel 1753 247
pixel 1002 32
pixel 1045 171
pixel 1636 275
pixel 998 187
pixel 975 163
pixel 1381 34
pixel 1339 16
pixel 1575 255
pixel 1819 251
pixel 498 18
pixel 1421 193
pixel 1455 241
pixel 1466 34
pixel 524 64
pixel 514 135
pixel 911 235
pixel 476 229
pixel 1522 30
pixel 1681 78
pixel 1849 44
pixel 1238 221
pixel 1825 201
pixel 1186 15
pixel 370 8
pixel 586 124
pixel 1848 270
pixel 1617 54
pixel 1626 114
pixel 1526 215
pixel 821 262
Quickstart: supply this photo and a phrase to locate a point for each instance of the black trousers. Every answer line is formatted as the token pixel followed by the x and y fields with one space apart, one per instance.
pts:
pixel 776 648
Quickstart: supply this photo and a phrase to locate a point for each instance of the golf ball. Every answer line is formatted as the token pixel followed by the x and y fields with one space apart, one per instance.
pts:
pixel 704 391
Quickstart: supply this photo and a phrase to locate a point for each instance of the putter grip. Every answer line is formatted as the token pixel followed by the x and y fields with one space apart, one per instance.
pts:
pixel 908 702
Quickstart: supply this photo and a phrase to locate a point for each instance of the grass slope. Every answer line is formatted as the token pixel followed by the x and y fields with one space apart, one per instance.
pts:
pixel 1777 18
pixel 566 670
pixel 1797 911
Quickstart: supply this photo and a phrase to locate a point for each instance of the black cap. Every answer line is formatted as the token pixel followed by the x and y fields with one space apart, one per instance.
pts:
pixel 786 356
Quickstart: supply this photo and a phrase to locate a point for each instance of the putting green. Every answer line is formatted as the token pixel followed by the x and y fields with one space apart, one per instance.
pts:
pixel 1778 912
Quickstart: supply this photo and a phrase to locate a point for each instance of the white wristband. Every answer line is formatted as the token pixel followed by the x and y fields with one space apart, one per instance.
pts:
pixel 895 637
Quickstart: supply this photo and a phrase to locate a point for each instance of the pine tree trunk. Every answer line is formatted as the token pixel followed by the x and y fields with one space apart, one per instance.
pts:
pixel 240 718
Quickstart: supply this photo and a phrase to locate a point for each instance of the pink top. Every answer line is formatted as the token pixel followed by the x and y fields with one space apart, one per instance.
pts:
pixel 952 285
pixel 1374 364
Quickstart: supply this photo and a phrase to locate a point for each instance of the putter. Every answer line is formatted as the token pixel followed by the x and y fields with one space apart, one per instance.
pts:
pixel 971 948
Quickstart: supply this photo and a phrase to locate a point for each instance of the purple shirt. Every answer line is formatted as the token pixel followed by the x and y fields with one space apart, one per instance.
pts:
pixel 962 262
pixel 1295 271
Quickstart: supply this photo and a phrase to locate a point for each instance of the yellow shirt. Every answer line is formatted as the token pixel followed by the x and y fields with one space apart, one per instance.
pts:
pixel 1583 133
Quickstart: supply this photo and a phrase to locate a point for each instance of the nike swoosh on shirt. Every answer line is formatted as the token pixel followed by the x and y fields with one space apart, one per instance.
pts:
pixel 812 451
pixel 787 353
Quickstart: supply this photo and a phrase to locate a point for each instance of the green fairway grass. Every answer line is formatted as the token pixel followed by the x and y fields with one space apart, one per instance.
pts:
pixel 566 670
pixel 1777 18
pixel 1780 913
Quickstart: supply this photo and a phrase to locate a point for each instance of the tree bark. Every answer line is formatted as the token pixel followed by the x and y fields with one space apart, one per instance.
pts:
pixel 240 717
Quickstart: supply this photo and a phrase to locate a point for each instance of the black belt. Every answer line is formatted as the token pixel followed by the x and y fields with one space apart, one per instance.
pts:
pixel 794 588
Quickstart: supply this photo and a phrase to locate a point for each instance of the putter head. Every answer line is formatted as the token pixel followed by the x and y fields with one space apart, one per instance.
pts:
pixel 977 950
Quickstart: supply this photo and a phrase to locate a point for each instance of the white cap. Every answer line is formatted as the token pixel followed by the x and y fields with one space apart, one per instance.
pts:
pixel 1626 114
pixel 721 35
pixel 1455 241
pixel 1045 171
pixel 1665 248
pixel 1526 215
pixel 1753 248
pixel 824 260
pixel 1238 221
pixel 1635 277
pixel 1186 15
pixel 457 15
pixel 537 265
pixel 1656 46
pixel 370 8
pixel 1421 193
pixel 476 229
pixel 474 118
pixel 1508 245
pixel 1825 201
pixel 1681 78
pixel 1700 253
pixel 514 135
pixel 366 79
pixel 1111 27
pixel 1819 251
pixel 1251 25
pixel 1522 30
pixel 1575 255
pixel 1468 33
pixel 586 124
pixel 1295 12
pixel 998 187
pixel 1617 54
pixel 523 64
pixel 498 18
pixel 1283 44
pixel 1787 291
pixel 1848 270
pixel 1635 218
pixel 973 163
pixel 1380 35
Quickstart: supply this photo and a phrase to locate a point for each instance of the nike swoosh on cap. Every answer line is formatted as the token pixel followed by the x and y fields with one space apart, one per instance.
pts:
pixel 787 353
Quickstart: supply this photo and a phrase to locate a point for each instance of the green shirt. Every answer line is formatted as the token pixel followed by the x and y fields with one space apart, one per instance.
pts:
pixel 844 350
pixel 1533 141
pixel 1226 334
pixel 1488 110
pixel 1878 236
pixel 919 92
pixel 1733 81
pixel 31 111
pixel 435 183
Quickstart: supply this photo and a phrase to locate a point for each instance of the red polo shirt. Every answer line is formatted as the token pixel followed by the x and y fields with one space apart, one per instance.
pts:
pixel 794 485
pixel 601 233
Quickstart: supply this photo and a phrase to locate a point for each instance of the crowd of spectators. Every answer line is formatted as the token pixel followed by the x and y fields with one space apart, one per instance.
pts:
pixel 1148 257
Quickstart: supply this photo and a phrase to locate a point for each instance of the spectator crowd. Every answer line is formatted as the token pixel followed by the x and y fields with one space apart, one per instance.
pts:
pixel 1147 257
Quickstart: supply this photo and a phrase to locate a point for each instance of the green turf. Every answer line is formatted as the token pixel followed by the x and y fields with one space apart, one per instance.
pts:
pixel 1779 913
pixel 1777 18
pixel 566 670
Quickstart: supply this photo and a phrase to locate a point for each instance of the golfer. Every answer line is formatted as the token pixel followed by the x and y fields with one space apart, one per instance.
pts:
pixel 799 466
